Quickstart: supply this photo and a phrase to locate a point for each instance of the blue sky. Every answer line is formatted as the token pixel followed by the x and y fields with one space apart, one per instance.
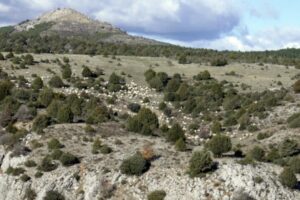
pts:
pixel 218 24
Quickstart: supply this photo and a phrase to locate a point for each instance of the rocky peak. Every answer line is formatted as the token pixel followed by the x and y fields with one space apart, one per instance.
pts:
pixel 65 14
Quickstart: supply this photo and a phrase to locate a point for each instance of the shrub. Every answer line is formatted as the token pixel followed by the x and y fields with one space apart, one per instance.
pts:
pixel 173 85
pixel 30 194
pixel 53 108
pixel 64 114
pixel 288 178
pixel 54 144
pixel 30 163
pixel 105 149
pixel 56 154
pixel 134 107
pixel 47 164
pixel 97 115
pixel 25 178
pixel 5 88
pixel 28 59
pixel 201 162
pixel 15 171
pixel 45 97
pixel 157 195
pixel 9 55
pixel 38 174
pixel 56 82
pixel 296 86
pixel 96 146
pixel 262 136
pixel 53 195
pixel 175 133
pixel 156 83
pixel 86 72
pixel 216 127
pixel 134 165
pixel 37 83
pixel 219 144
pixel 40 122
pixel 68 159
pixel 145 119
pixel 294 164
pixel 149 74
pixel 180 145
pixel 288 148
pixel 66 72
pixel 182 59
pixel 257 153
pixel 219 62
pixel 205 75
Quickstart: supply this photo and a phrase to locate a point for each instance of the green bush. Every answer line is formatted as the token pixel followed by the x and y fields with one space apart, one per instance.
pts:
pixel 53 108
pixel 219 62
pixel 201 162
pixel 105 149
pixel 45 97
pixel 288 178
pixel 15 171
pixel 56 82
pixel 216 127
pixel 180 145
pixel 294 164
pixel 257 153
pixel 219 144
pixel 288 147
pixel 30 194
pixel 144 119
pixel 66 72
pixel 5 88
pixel 205 75
pixel 175 133
pixel 97 115
pixel 37 83
pixel 64 114
pixel 157 195
pixel 54 144
pixel 30 163
pixel 47 164
pixel 149 74
pixel 25 178
pixel 86 72
pixel 53 195
pixel 28 59
pixel 134 165
pixel 68 159
pixel 96 146
pixel 56 154
pixel 40 122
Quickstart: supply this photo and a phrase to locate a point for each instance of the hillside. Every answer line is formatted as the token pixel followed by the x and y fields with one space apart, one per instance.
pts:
pixel 141 128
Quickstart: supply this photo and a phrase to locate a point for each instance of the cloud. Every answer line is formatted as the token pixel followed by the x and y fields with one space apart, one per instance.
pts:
pixel 177 19
pixel 4 8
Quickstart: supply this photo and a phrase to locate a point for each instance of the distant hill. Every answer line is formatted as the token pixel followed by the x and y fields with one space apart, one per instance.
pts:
pixel 68 31
pixel 68 22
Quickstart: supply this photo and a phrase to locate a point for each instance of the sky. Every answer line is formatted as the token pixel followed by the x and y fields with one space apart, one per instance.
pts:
pixel 242 25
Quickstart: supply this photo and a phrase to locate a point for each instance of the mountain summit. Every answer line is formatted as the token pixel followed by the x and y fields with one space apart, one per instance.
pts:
pixel 67 22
